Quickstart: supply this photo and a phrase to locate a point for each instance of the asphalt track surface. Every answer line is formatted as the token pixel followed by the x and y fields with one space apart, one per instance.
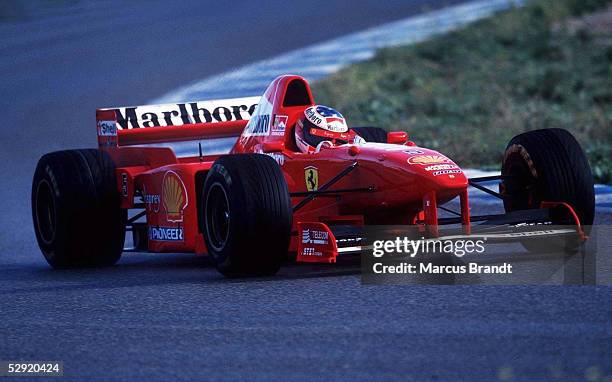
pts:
pixel 173 316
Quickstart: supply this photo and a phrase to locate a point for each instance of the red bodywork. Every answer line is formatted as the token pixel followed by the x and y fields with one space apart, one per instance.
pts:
pixel 397 183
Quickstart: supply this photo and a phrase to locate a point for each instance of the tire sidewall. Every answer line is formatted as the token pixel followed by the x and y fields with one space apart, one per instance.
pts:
pixel 45 174
pixel 557 168
pixel 89 221
pixel 260 214
pixel 219 175
pixel 554 166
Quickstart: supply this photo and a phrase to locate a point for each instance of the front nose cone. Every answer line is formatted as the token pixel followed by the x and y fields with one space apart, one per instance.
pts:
pixel 451 181
pixel 446 175
pixel 437 169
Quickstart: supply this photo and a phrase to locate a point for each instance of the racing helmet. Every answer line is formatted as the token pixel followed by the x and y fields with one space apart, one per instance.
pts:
pixel 319 124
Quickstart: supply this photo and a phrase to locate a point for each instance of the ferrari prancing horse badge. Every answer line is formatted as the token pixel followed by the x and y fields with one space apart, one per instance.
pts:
pixel 311 174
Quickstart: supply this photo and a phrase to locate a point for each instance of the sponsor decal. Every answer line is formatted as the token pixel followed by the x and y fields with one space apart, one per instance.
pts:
pixel 151 201
pixel 313 116
pixel 279 158
pixel 428 159
pixel 124 184
pixel 336 129
pixel 437 167
pixel 309 251
pixel 107 128
pixel 414 152
pixel 174 196
pixel 315 237
pixel 311 176
pixel 259 125
pixel 444 172
pixel 336 125
pixel 165 233
pixel 280 123
pixel 185 113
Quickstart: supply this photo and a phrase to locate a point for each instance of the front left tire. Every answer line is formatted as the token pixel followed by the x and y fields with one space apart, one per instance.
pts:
pixel 548 165
pixel 246 215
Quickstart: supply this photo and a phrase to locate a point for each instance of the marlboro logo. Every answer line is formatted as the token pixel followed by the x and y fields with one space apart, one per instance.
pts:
pixel 185 113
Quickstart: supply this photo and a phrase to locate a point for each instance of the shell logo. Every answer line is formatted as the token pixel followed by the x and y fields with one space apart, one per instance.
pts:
pixel 174 196
pixel 428 159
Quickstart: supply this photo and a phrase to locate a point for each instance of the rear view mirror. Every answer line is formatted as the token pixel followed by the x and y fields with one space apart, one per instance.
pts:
pixel 397 137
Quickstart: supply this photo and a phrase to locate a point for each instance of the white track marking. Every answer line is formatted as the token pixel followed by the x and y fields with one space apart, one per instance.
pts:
pixel 319 60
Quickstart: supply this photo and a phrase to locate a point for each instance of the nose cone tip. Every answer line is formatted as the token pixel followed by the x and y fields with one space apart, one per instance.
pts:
pixel 450 179
pixel 440 171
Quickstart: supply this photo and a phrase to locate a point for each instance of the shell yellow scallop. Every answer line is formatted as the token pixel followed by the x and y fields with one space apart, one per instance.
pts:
pixel 174 196
pixel 428 159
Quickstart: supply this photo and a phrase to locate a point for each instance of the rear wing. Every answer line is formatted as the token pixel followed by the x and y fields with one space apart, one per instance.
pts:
pixel 160 125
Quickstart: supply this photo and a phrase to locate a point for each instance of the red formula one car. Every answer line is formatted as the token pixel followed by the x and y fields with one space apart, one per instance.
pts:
pixel 161 173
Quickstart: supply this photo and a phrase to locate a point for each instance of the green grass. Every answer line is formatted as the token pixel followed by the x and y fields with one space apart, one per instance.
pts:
pixel 468 92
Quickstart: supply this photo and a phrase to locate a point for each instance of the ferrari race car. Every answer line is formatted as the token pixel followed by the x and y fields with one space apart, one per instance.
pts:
pixel 226 178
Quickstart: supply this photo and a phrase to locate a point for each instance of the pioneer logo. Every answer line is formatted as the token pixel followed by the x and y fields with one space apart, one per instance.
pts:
pixel 165 234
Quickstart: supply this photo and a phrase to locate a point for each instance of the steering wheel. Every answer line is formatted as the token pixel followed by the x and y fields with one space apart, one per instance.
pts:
pixel 324 144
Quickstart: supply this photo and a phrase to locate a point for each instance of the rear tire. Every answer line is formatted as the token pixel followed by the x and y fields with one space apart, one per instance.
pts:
pixel 548 165
pixel 371 134
pixel 246 216
pixel 76 209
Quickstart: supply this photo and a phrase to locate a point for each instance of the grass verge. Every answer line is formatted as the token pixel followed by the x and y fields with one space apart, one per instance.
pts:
pixel 468 92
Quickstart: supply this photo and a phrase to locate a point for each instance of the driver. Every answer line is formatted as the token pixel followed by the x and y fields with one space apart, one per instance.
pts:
pixel 321 124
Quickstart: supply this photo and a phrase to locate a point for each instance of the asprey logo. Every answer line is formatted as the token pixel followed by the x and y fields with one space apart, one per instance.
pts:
pixel 174 196
pixel 311 175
